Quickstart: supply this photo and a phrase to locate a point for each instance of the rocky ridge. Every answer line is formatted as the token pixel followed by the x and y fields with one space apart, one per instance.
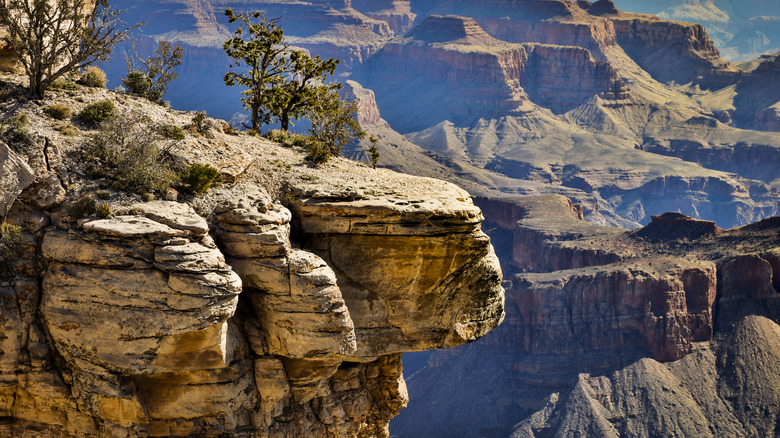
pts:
pixel 233 313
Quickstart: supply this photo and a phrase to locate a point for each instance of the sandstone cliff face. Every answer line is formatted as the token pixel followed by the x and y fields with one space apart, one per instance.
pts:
pixel 250 319
pixel 647 41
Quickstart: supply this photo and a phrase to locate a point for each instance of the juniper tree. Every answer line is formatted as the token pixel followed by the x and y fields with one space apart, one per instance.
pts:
pixel 150 77
pixel 263 52
pixel 294 97
pixel 280 83
pixel 52 38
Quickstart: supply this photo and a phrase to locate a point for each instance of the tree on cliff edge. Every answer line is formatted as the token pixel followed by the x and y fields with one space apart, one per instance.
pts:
pixel 296 96
pixel 52 38
pixel 280 83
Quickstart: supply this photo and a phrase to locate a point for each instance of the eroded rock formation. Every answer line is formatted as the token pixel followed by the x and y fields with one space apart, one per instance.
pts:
pixel 250 319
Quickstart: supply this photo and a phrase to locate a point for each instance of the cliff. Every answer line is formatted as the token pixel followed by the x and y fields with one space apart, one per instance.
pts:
pixel 618 333
pixel 278 303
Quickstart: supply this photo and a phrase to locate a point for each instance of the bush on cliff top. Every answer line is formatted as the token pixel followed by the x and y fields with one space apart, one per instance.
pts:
pixel 126 150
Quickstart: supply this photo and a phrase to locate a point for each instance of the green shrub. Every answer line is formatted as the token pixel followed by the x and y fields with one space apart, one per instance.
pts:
pixel 66 129
pixel 171 132
pixel 96 113
pixel 58 111
pixel 318 152
pixel 199 120
pixel 290 139
pixel 93 77
pixel 63 83
pixel 137 83
pixel 373 152
pixel 10 238
pixel 14 133
pixel 125 150
pixel 334 124
pixel 103 209
pixel 197 178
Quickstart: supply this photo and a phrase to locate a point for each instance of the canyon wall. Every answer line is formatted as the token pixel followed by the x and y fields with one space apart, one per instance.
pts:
pixel 617 333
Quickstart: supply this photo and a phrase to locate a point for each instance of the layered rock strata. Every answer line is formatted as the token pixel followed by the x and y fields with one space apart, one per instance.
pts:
pixel 431 303
pixel 497 77
pixel 619 333
pixel 157 322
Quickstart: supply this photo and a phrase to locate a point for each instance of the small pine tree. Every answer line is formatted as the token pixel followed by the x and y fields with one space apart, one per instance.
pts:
pixel 293 97
pixel 263 53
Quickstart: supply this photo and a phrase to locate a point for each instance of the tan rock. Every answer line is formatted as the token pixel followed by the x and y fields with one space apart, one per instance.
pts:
pixel 132 227
pixel 174 214
pixel 190 257
pixel 15 176
pixel 47 192
pixel 166 318
pixel 74 248
pixel 426 277
pixel 205 392
pixel 298 305
pixel 272 386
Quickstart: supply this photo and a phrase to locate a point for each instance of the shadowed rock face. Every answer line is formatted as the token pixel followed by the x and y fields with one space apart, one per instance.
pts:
pixel 641 334
pixel 16 176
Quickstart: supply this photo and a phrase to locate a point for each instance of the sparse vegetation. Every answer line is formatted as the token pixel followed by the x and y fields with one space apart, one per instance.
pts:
pixel 83 207
pixel 10 238
pixel 289 139
pixel 199 122
pixel 125 149
pixel 373 152
pixel 171 132
pixel 151 77
pixel 197 178
pixel 333 125
pixel 59 111
pixel 318 152
pixel 52 41
pixel 96 113
pixel 93 77
pixel 64 83
pixel 14 133
pixel 66 129
pixel 103 210
pixel 137 83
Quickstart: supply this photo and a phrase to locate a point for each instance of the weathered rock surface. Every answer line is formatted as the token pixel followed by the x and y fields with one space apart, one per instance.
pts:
pixel 433 234
pixel 16 176
pixel 644 333
pixel 258 321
